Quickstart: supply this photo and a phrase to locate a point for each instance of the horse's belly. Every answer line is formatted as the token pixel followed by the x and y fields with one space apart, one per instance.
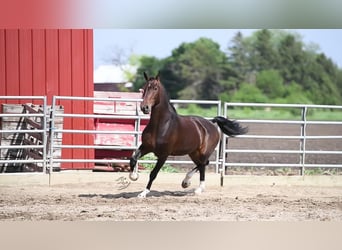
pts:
pixel 180 152
pixel 185 147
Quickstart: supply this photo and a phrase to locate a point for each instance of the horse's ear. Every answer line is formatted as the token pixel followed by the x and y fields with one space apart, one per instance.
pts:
pixel 158 76
pixel 145 75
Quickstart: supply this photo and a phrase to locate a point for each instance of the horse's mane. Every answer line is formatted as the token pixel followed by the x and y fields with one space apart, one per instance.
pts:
pixel 173 107
pixel 168 98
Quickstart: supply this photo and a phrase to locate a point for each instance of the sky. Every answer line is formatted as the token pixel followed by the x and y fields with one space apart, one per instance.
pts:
pixel 160 42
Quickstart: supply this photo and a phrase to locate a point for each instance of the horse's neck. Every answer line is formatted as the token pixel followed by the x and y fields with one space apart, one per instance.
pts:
pixel 162 112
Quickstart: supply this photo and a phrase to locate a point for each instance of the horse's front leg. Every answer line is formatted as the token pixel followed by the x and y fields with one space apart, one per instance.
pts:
pixel 133 163
pixel 153 175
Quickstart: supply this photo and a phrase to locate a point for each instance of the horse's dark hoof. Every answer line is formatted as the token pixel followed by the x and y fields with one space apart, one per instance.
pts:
pixel 186 184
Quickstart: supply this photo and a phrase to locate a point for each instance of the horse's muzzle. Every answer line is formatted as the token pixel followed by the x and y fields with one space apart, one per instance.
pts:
pixel 145 109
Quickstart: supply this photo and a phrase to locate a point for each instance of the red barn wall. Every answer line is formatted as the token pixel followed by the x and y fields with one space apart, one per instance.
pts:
pixel 51 62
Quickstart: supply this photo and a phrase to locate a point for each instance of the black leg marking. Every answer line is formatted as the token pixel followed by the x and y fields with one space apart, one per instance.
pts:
pixel 155 171
pixel 134 159
pixel 140 152
pixel 201 169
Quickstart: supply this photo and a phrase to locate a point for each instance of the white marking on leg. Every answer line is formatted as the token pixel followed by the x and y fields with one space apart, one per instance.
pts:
pixel 187 180
pixel 201 188
pixel 135 156
pixel 134 175
pixel 143 193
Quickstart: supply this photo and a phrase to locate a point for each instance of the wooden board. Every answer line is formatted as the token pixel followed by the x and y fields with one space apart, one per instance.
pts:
pixel 122 108
pixel 117 107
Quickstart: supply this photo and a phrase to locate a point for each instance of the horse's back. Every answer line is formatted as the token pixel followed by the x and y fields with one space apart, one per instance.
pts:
pixel 203 123
pixel 207 131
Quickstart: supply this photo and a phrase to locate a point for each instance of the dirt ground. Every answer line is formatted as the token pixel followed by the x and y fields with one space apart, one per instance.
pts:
pixel 116 201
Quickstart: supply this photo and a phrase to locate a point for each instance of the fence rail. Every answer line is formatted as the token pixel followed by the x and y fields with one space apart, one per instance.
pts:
pixel 303 138
pixel 221 159
pixel 14 141
pixel 138 116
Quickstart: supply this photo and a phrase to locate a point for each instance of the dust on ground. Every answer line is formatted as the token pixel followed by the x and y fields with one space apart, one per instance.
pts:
pixel 113 201
pixel 169 202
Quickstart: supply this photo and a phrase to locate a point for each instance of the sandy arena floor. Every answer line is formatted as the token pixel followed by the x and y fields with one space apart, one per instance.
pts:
pixel 112 200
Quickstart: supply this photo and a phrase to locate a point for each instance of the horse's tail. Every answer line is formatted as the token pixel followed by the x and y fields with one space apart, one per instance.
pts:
pixel 229 127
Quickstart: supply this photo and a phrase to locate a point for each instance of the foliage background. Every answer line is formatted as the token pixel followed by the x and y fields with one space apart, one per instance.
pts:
pixel 267 66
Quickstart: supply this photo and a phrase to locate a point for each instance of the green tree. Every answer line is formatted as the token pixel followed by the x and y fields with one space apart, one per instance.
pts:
pixel 270 83
pixel 322 81
pixel 200 67
pixel 149 64
pixel 339 81
pixel 269 65
pixel 329 91
pixel 264 55
pixel 294 93
pixel 238 56
pixel 249 93
pixel 292 59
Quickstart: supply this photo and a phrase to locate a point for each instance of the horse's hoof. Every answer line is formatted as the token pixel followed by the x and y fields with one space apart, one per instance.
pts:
pixel 199 191
pixel 134 176
pixel 186 184
pixel 143 193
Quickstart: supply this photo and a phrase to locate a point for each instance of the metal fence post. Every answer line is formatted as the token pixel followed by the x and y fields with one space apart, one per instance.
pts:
pixel 45 137
pixel 303 140
pixel 51 136
pixel 223 147
pixel 218 151
pixel 137 126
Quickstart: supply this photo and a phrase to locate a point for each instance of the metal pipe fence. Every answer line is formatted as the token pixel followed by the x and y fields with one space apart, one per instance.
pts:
pixel 137 117
pixel 10 144
pixel 221 159
pixel 303 138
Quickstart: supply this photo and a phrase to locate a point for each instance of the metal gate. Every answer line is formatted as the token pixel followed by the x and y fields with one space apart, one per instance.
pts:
pixel 23 133
pixel 300 139
pixel 137 116
pixel 234 151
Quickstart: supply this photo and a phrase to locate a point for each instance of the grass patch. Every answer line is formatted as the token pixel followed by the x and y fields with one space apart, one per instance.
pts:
pixel 193 109
pixel 322 171
pixel 324 115
pixel 149 166
pixel 263 113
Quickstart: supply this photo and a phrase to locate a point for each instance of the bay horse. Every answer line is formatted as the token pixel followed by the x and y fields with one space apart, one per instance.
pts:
pixel 168 133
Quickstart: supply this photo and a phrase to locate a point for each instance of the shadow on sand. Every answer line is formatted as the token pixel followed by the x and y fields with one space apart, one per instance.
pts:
pixel 129 195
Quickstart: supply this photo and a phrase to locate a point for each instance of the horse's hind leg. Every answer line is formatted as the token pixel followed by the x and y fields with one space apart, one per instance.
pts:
pixel 187 180
pixel 201 187
pixel 201 160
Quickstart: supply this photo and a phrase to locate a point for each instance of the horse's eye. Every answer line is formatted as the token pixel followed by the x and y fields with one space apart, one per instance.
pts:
pixel 155 88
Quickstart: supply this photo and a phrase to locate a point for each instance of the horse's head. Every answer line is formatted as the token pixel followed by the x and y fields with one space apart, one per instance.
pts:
pixel 150 92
